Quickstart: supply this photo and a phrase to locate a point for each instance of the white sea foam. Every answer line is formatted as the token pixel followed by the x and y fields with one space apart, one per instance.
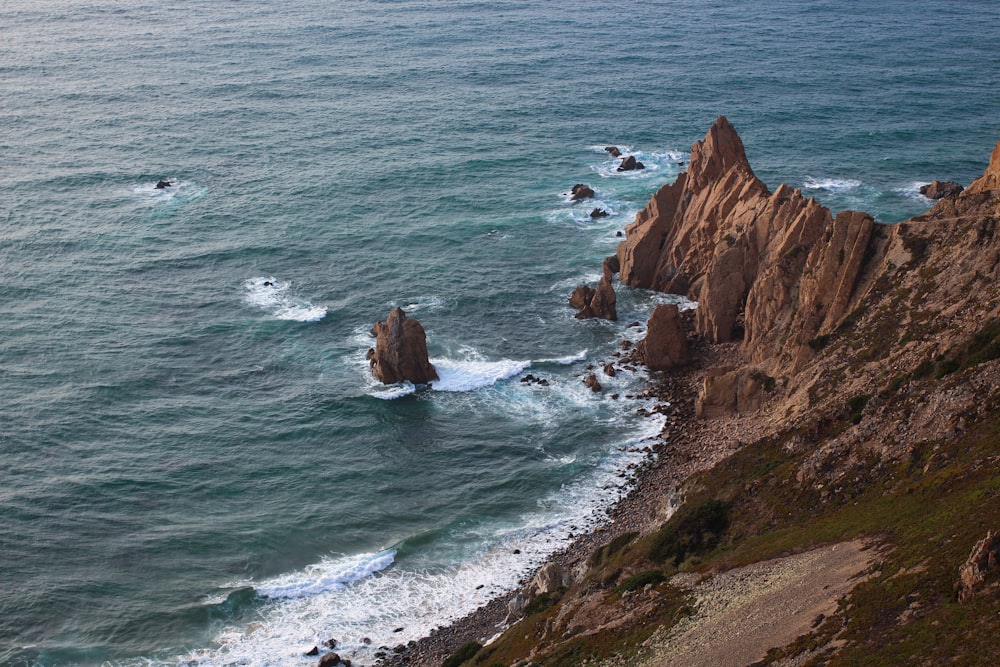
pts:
pixel 179 192
pixel 912 191
pixel 394 391
pixel 274 296
pixel 418 303
pixel 329 575
pixel 831 184
pixel 473 374
pixel 653 163
pixel 368 596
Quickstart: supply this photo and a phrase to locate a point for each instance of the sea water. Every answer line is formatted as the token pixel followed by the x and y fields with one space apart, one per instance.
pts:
pixel 196 466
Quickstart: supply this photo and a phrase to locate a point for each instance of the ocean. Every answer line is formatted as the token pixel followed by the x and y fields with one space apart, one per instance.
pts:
pixel 196 467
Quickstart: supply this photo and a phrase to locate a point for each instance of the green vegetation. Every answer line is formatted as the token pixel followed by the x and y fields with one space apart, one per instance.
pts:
pixel 693 530
pixel 464 653
pixel 640 580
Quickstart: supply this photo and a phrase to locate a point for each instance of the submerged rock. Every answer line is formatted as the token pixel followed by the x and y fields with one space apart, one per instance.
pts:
pixel 613 151
pixel 163 184
pixel 630 164
pixel 600 302
pixel 941 189
pixel 581 191
pixel 400 352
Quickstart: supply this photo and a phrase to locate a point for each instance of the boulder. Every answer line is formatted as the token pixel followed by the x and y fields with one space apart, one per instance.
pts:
pixel 630 164
pixel 941 189
pixel 551 577
pixel 592 383
pixel 613 151
pixel 581 191
pixel 329 660
pixel 598 213
pixel 600 302
pixel 163 184
pixel 400 352
pixel 665 345
pixel 728 391
pixel 982 562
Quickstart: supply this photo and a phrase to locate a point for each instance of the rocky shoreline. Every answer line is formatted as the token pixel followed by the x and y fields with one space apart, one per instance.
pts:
pixel 684 446
pixel 828 358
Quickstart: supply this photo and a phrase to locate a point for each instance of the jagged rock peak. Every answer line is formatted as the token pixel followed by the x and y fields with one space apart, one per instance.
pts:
pixel 990 180
pixel 720 150
pixel 400 352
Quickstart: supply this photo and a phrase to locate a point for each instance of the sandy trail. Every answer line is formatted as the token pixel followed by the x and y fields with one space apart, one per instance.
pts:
pixel 742 613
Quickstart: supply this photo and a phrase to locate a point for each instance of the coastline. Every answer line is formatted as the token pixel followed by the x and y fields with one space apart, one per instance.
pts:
pixel 685 446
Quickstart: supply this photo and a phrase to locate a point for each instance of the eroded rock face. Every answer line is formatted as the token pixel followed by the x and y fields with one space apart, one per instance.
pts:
pixel 941 189
pixel 728 391
pixel 773 269
pixel 665 345
pixel 990 180
pixel 600 302
pixel 400 352
pixel 982 562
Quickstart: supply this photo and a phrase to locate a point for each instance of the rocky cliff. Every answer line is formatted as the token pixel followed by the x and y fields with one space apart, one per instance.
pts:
pixel 850 404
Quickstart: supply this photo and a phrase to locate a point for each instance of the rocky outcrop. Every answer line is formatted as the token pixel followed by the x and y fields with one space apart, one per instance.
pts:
pixel 773 269
pixel 598 213
pixel 990 180
pixel 728 391
pixel 400 352
pixel 982 562
pixel 163 184
pixel 941 189
pixel 665 346
pixel 613 151
pixel 581 191
pixel 600 302
pixel 630 164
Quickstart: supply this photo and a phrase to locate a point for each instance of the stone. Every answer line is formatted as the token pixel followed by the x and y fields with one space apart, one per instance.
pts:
pixel 592 383
pixel 161 185
pixel 630 164
pixel 665 346
pixel 581 191
pixel 941 189
pixel 598 213
pixel 609 370
pixel 400 352
pixel 613 151
pixel 551 577
pixel 728 391
pixel 600 302
pixel 313 651
pixel 329 660
pixel 982 562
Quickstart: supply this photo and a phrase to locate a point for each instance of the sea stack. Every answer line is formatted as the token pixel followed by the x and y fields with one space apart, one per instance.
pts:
pixel 400 352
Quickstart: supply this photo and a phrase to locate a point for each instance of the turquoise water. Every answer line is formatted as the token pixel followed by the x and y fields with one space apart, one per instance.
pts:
pixel 196 468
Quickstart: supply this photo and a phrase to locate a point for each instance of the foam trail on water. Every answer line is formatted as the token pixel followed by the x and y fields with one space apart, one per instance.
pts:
pixel 912 191
pixel 370 596
pixel 474 374
pixel 831 184
pixel 273 295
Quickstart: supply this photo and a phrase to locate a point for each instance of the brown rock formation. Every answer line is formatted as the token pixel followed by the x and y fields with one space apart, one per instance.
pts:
pixel 773 269
pixel 941 189
pixel 984 559
pixel 400 352
pixel 630 164
pixel 613 151
pixel 592 383
pixel 727 391
pixel 991 179
pixel 581 191
pixel 665 345
pixel 600 302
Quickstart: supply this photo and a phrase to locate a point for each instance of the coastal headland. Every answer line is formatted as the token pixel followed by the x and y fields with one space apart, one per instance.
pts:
pixel 826 488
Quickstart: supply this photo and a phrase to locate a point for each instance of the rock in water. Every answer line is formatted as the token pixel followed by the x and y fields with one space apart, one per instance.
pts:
pixel 163 184
pixel 941 189
pixel 400 352
pixel 665 345
pixel 630 164
pixel 600 302
pixel 613 151
pixel 582 191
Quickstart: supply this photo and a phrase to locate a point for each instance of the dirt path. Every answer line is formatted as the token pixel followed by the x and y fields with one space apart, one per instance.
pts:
pixel 744 612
